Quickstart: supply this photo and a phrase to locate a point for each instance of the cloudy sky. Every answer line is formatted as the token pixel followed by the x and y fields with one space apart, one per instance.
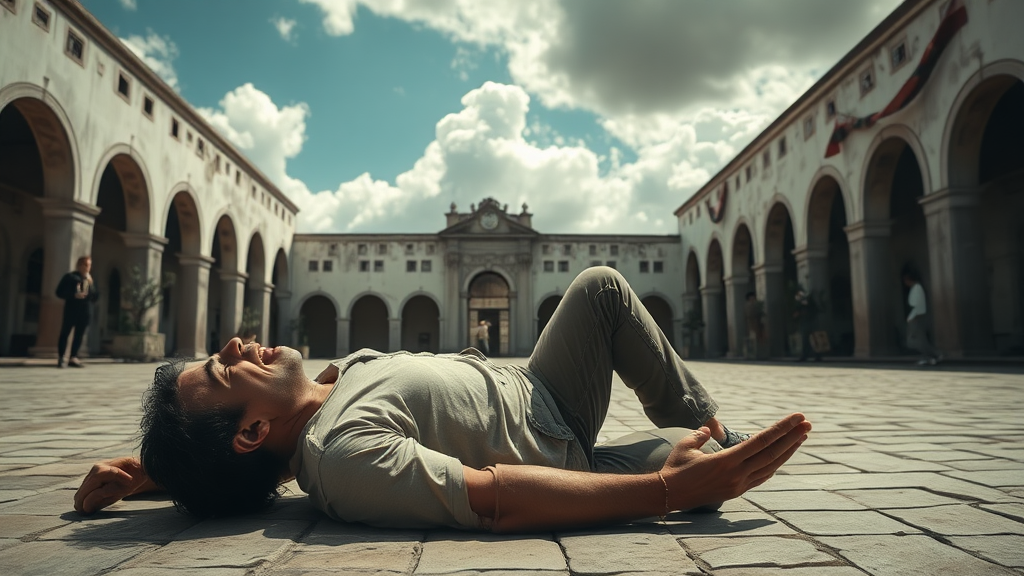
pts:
pixel 604 116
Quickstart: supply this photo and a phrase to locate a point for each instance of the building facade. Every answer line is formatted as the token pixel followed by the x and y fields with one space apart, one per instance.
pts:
pixel 426 292
pixel 101 157
pixel 936 187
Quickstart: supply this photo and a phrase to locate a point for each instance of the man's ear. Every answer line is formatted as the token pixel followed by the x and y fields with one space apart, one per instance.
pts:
pixel 252 437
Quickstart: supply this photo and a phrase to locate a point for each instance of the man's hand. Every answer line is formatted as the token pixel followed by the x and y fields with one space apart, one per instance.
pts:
pixel 111 481
pixel 696 479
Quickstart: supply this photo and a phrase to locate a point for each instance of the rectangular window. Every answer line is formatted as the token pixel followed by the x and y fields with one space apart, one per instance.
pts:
pixel 364 265
pixel 216 165
pixel 563 265
pixel 188 136
pixel 593 249
pixel 382 249
pixel 314 265
pixel 808 127
pixel 74 47
pixel 238 177
pixel 549 265
pixel 566 249
pixel 175 129
pixel 737 181
pixel 124 85
pixel 750 173
pixel 613 249
pixel 830 109
pixel 410 248
pixel 867 81
pixel 328 265
pixel 659 266
pixel 766 158
pixel 9 4
pixel 41 17
pixel 363 249
pixel 410 265
pixel 645 266
pixel 426 265
pixel 782 147
pixel 595 263
pixel 147 107
pixel 200 147
pixel 898 56
pixel 610 264
pixel 378 265
pixel 430 249
pixel 254 192
pixel 545 249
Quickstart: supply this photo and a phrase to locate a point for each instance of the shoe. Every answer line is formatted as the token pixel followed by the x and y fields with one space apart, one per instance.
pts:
pixel 732 438
pixel 923 362
pixel 933 361
pixel 60 363
pixel 76 363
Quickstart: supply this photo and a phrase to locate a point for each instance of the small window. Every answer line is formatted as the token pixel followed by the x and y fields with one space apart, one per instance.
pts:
pixel 782 147
pixel 147 107
pixel 545 249
pixel 610 264
pixel 328 265
pixel 175 129
pixel 41 17
pixel 563 265
pixel 867 81
pixel 382 249
pixel 659 266
pixel 124 85
pixel 737 181
pixel 898 56
pixel 362 249
pixel 750 176
pixel 430 249
pixel 645 266
pixel 613 249
pixel 188 136
pixel 549 265
pixel 378 265
pixel 593 249
pixel 238 177
pixel 314 265
pixel 766 158
pixel 410 265
pixel 830 109
pixel 227 168
pixel 332 249
pixel 74 47
pixel 808 127
pixel 595 263
pixel 698 205
pixel 364 265
pixel 216 164
pixel 200 147
pixel 9 4
pixel 567 249
pixel 425 265
pixel 254 192
pixel 410 248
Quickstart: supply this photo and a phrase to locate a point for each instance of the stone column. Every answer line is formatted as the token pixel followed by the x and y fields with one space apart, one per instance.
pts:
pixel 714 331
pixel 67 236
pixel 342 338
pixel 394 334
pixel 957 297
pixel 259 296
pixel 523 318
pixel 232 299
pixel 147 252
pixel 771 290
pixel 284 336
pixel 513 309
pixel 194 283
pixel 736 288
pixel 812 275
pixel 451 338
pixel 871 282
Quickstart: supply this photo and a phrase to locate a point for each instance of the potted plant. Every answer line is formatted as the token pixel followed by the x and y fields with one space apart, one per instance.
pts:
pixel 136 339
pixel 299 327
pixel 693 323
pixel 250 325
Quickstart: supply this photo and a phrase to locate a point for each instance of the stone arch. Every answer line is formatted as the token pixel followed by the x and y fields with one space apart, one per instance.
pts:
pixel 421 323
pixel 183 205
pixel 664 313
pixel 824 265
pixel 369 325
pixel 713 299
pixel 880 165
pixel 225 238
pixel 182 320
pixel 825 177
pixel 509 277
pixel 320 314
pixel 490 299
pixel 54 137
pixel 277 332
pixel 132 179
pixel 546 309
pixel 739 283
pixel 779 273
pixel 352 302
pixel 693 309
pixel 225 293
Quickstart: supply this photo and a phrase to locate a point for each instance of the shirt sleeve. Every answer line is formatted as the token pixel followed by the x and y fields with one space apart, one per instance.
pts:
pixel 916 301
pixel 376 476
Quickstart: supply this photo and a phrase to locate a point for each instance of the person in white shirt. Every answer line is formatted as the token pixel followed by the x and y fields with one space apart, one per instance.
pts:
pixel 917 331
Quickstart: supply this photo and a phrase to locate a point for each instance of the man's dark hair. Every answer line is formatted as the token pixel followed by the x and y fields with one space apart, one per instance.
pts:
pixel 911 273
pixel 191 456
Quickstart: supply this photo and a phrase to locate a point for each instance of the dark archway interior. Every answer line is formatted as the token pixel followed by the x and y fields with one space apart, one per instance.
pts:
pixel 840 288
pixel 421 325
pixel 321 320
pixel 662 314
pixel 368 327
pixel 488 300
pixel 544 313
pixel 21 166
pixel 908 242
pixel 111 201
pixel 1002 145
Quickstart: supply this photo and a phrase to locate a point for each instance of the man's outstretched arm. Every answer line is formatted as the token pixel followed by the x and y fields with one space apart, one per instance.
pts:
pixel 110 481
pixel 522 498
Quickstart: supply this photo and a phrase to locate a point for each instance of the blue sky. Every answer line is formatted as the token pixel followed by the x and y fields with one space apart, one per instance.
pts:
pixel 374 115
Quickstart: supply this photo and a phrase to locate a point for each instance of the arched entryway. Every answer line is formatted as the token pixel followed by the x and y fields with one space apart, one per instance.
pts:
pixel 489 301
pixel 661 311
pixel 824 266
pixel 545 311
pixel 279 298
pixel 256 303
pixel 37 175
pixel 779 285
pixel 226 293
pixel 693 311
pixel 321 324
pixel 421 325
pixel 716 331
pixel 738 284
pixel 182 320
pixel 368 325
pixel 980 287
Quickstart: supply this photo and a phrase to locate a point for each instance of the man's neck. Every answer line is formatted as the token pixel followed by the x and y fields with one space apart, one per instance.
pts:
pixel 285 441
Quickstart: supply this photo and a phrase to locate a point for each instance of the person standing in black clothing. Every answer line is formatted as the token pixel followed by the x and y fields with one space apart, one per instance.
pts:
pixel 806 313
pixel 78 290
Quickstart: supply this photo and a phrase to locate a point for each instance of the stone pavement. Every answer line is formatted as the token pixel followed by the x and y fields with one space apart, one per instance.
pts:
pixel 907 472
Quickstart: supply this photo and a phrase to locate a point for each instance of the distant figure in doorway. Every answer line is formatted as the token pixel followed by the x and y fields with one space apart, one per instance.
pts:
pixel 917 329
pixel 754 313
pixel 806 312
pixel 78 290
pixel 483 337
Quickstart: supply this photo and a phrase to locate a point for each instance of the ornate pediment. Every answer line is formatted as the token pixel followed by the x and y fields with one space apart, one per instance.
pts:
pixel 488 219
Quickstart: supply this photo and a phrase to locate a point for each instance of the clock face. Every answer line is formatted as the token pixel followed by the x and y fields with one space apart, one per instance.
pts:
pixel 489 220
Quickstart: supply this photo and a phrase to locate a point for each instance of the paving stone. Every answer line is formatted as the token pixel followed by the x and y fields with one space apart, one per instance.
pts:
pixel 791 571
pixel 151 571
pixel 1007 550
pixel 736 523
pixel 65 558
pixel 990 464
pixel 53 503
pixel 817 469
pixel 18 525
pixel 106 525
pixel 634 553
pixel 803 500
pixel 447 553
pixel 12 495
pixel 994 478
pixel 879 462
pixel 333 547
pixel 230 543
pixel 844 523
pixel 1014 510
pixel 913 555
pixel 897 498
pixel 58 469
pixel 726 552
pixel 958 520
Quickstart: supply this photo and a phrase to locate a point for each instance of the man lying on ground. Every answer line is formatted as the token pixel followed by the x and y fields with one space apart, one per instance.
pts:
pixel 422 440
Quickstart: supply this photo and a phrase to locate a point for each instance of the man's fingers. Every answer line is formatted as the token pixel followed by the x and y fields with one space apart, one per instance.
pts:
pixel 778 448
pixel 99 478
pixel 766 471
pixel 766 437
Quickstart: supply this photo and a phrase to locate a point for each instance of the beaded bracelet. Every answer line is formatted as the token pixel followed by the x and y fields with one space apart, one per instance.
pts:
pixel 665 484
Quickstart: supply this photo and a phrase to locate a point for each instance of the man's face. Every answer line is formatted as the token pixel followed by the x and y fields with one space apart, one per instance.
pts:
pixel 244 375
pixel 84 266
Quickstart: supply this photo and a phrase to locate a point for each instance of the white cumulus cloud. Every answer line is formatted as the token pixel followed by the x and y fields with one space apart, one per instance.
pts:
pixel 285 27
pixel 129 4
pixel 158 52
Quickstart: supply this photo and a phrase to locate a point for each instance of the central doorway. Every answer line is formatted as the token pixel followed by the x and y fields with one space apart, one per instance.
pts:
pixel 489 300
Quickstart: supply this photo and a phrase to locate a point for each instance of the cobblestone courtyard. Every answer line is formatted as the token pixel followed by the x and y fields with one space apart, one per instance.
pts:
pixel 907 472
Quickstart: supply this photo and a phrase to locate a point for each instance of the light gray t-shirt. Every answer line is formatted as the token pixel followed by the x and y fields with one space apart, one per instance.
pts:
pixel 388 445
